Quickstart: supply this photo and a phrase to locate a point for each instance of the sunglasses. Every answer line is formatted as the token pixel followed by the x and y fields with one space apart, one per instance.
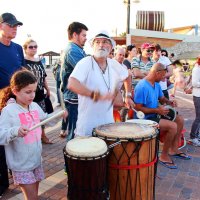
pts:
pixel 11 26
pixel 149 51
pixel 31 47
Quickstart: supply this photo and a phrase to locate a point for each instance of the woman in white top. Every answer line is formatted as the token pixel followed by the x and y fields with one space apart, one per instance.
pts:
pixel 194 134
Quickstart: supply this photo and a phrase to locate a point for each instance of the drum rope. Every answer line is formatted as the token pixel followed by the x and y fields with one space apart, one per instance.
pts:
pixel 129 167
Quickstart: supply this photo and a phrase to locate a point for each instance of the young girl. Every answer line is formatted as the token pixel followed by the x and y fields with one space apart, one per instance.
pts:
pixel 23 147
pixel 177 77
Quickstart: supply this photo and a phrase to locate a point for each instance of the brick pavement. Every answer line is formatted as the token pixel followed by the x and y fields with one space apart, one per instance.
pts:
pixel 179 184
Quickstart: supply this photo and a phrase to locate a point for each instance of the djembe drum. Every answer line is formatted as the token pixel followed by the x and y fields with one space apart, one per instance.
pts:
pixel 87 175
pixel 131 165
pixel 145 122
pixel 171 115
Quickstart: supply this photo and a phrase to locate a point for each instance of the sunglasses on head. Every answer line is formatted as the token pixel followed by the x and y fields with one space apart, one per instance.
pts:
pixel 31 47
pixel 149 51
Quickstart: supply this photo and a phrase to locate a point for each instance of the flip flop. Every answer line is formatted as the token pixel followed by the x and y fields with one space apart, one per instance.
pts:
pixel 182 155
pixel 169 165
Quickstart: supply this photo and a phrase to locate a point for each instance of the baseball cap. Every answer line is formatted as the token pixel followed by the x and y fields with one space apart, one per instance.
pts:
pixel 9 19
pixel 147 46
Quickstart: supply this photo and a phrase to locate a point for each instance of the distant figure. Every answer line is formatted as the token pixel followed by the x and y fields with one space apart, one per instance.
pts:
pixel 119 55
pixel 11 60
pixel 178 77
pixel 111 54
pixel 34 64
pixel 172 57
pixel 56 73
pixel 194 134
pixel 157 57
pixel 43 61
pixel 142 64
pixel 131 52
pixel 164 52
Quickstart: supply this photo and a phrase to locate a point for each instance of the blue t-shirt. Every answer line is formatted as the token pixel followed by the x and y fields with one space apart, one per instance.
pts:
pixel 11 60
pixel 147 95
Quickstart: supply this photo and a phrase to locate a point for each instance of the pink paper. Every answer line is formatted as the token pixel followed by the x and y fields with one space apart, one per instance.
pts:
pixel 28 120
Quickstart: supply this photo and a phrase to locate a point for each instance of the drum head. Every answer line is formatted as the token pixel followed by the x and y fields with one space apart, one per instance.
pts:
pixel 143 121
pixel 171 114
pixel 86 147
pixel 126 131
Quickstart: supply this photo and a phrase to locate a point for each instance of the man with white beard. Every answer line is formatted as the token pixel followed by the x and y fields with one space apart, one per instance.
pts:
pixel 96 79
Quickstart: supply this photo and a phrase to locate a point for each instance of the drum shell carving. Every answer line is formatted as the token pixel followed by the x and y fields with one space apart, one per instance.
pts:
pixel 150 20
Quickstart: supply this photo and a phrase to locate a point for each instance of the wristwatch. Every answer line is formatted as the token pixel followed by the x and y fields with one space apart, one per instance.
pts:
pixel 128 94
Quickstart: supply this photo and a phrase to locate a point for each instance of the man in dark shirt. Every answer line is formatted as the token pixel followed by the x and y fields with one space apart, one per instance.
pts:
pixel 11 60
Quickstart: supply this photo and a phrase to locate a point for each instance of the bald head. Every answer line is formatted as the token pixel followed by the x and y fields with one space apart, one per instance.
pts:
pixel 157 67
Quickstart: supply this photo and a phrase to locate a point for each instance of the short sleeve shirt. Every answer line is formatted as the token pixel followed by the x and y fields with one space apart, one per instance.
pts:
pixel 147 95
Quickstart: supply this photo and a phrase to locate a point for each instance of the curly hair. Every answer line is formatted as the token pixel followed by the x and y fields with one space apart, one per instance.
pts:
pixel 19 80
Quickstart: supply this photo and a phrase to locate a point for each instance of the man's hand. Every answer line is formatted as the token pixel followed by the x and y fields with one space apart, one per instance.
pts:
pixel 129 102
pixel 162 110
pixel 172 103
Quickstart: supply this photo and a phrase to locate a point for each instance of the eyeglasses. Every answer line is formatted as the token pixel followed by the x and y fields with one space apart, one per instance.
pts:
pixel 98 42
pixel 149 51
pixel 31 47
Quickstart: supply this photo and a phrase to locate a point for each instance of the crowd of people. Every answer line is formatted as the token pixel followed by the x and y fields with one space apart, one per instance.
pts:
pixel 87 86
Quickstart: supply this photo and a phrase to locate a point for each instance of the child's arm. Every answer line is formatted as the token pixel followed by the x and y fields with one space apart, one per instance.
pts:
pixel 44 116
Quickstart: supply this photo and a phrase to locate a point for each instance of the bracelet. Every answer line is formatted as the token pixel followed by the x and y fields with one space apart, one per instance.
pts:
pixel 128 94
pixel 95 96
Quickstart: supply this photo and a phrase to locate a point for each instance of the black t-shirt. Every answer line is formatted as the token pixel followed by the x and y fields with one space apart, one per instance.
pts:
pixel 38 69
pixel 127 63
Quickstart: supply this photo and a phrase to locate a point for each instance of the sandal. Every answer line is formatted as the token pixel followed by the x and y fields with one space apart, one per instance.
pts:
pixel 182 156
pixel 169 165
pixel 63 134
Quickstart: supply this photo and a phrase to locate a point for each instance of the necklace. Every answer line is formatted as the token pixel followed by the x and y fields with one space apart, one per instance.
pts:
pixel 103 72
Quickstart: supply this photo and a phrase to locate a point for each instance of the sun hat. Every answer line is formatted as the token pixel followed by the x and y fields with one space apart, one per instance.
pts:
pixel 105 35
pixel 9 19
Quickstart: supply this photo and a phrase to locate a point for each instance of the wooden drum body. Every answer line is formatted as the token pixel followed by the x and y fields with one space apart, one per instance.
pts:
pixel 87 163
pixel 131 165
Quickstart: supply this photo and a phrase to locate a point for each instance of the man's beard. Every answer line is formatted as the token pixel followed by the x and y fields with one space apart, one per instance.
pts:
pixel 101 53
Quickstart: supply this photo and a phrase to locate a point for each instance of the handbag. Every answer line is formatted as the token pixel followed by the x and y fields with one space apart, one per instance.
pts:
pixel 48 105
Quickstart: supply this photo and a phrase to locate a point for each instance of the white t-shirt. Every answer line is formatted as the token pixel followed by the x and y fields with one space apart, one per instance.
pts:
pixel 92 114
pixel 165 61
